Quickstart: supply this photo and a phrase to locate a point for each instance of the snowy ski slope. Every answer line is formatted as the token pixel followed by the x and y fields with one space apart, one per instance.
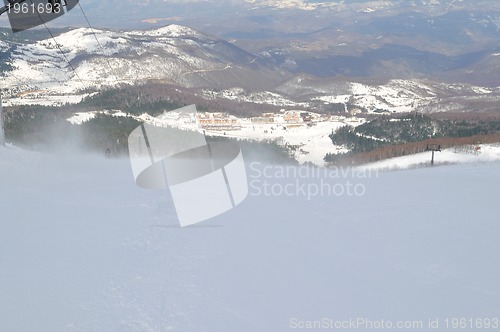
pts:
pixel 83 249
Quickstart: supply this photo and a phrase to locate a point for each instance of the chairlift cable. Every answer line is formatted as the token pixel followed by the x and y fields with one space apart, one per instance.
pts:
pixel 98 42
pixel 59 47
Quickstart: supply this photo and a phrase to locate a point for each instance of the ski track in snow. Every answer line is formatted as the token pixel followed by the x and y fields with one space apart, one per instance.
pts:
pixel 83 249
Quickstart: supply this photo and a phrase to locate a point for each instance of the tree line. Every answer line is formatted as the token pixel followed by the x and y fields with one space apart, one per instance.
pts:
pixel 388 137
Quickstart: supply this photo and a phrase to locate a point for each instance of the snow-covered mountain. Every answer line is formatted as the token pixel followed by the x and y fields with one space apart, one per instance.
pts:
pixel 173 54
pixel 37 73
pixel 391 96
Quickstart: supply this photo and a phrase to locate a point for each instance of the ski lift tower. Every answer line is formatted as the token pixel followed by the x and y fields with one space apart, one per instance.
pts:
pixel 433 148
pixel 24 15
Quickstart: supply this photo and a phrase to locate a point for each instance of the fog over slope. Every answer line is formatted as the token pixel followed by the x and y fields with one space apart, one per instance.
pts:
pixel 83 249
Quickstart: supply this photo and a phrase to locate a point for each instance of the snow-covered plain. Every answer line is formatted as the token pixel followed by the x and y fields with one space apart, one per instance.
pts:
pixel 83 249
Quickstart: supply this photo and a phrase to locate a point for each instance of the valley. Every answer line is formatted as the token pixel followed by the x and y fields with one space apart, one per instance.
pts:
pixel 342 74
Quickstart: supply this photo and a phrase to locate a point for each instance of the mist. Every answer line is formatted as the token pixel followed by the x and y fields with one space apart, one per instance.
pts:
pixel 83 248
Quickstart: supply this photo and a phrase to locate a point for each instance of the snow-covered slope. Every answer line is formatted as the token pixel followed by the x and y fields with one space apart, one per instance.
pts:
pixel 83 249
pixel 214 68
pixel 172 54
pixel 392 96
pixel 460 155
pixel 307 142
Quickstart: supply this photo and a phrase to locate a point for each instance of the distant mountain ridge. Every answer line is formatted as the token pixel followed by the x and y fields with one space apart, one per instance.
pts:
pixel 175 54
pixel 36 72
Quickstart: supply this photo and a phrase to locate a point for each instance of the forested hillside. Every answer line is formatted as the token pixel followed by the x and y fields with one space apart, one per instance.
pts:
pixel 387 137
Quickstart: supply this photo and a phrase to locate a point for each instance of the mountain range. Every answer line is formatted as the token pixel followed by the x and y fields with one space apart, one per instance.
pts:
pixel 36 71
